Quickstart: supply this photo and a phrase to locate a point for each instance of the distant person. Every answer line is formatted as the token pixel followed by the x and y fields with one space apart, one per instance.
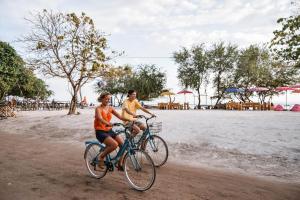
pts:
pixel 103 127
pixel 129 108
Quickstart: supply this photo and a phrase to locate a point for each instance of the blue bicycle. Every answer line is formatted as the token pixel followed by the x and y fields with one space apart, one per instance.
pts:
pixel 153 144
pixel 138 166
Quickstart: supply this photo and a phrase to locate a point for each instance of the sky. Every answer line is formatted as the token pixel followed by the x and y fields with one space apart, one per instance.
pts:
pixel 150 31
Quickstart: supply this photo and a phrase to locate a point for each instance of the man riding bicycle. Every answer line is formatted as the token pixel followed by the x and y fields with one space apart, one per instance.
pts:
pixel 129 108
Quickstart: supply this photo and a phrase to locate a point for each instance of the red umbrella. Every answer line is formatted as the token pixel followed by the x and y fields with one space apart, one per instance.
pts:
pixel 284 88
pixel 184 92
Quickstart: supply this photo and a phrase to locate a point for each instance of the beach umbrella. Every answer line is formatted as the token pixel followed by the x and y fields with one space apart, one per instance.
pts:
pixel 234 90
pixel 184 92
pixel 167 93
pixel 258 89
pixel 284 88
pixel 297 86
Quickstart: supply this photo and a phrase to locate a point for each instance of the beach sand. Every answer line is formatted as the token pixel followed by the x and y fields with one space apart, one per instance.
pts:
pixel 41 157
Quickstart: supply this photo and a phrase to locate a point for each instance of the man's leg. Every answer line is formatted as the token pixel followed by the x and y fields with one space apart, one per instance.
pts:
pixel 135 130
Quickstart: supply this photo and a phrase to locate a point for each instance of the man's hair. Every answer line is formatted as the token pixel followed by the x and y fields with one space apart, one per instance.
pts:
pixel 130 92
pixel 103 95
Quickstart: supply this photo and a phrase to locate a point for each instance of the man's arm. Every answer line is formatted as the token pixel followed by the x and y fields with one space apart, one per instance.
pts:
pixel 147 111
pixel 130 113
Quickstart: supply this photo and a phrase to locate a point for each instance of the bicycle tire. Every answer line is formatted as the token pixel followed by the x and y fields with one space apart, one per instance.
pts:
pixel 136 165
pixel 160 155
pixel 91 151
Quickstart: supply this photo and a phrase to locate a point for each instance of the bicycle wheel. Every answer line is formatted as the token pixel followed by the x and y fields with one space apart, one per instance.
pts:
pixel 157 149
pixel 139 170
pixel 91 154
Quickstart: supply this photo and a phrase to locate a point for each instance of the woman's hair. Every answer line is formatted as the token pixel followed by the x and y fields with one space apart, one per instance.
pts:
pixel 103 95
pixel 130 92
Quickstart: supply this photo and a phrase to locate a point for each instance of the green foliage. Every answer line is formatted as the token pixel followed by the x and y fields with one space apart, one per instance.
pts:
pixel 17 80
pixel 29 86
pixel 256 68
pixel 11 65
pixel 117 82
pixel 222 61
pixel 193 67
pixel 147 80
pixel 286 41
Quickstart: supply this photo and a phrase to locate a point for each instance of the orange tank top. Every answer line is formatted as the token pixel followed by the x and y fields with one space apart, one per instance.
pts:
pixel 106 116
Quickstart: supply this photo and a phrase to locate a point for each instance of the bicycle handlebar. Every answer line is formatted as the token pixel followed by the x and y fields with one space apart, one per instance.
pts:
pixel 146 118
pixel 118 124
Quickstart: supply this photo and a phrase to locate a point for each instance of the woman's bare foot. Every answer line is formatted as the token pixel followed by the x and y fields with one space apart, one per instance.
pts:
pixel 101 163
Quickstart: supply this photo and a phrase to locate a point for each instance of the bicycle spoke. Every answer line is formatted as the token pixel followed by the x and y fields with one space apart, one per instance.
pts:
pixel 157 149
pixel 140 170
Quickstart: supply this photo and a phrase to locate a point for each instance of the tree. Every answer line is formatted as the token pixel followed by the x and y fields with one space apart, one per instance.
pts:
pixel 286 41
pixel 246 73
pixel 222 60
pixel 16 79
pixel 256 68
pixel 148 81
pixel 29 86
pixel 193 68
pixel 67 46
pixel 117 80
pixel 11 65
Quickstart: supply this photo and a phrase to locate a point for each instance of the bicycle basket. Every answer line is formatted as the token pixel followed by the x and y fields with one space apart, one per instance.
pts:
pixel 155 127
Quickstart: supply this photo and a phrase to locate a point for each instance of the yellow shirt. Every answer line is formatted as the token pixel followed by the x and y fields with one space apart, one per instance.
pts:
pixel 132 106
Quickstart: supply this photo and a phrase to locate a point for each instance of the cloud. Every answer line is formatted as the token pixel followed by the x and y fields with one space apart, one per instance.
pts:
pixel 158 28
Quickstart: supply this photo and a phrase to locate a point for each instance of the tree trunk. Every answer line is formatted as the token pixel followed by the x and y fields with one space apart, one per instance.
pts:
pixel 219 98
pixel 80 95
pixel 199 98
pixel 73 105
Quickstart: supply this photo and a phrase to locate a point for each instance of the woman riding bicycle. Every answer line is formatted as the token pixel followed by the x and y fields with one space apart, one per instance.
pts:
pixel 103 127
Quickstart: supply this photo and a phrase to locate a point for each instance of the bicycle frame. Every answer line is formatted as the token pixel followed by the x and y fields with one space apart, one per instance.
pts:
pixel 146 134
pixel 112 161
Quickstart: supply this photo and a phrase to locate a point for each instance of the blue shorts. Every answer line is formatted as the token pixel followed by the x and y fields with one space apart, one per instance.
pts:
pixel 102 135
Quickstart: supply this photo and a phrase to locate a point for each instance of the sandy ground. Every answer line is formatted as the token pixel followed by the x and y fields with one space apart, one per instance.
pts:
pixel 33 166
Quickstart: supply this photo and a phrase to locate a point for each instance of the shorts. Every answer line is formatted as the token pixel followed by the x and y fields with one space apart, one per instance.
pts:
pixel 102 135
pixel 138 123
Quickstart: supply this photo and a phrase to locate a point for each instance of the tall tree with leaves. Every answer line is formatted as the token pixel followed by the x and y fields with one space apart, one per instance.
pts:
pixel 11 65
pixel 222 60
pixel 148 81
pixel 248 69
pixel 286 41
pixel 193 68
pixel 257 68
pixel 67 46
pixel 29 86
pixel 117 80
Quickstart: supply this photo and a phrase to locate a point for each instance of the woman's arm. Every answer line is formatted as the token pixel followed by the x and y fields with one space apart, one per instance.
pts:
pixel 99 117
pixel 115 113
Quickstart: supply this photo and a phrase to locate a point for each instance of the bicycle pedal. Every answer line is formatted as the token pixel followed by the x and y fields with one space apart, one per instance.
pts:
pixel 110 167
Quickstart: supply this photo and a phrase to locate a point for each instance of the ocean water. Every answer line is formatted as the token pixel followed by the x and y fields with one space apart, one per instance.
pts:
pixel 265 143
